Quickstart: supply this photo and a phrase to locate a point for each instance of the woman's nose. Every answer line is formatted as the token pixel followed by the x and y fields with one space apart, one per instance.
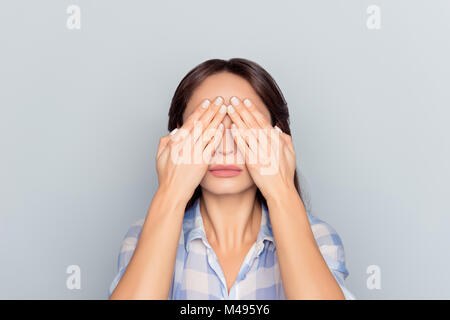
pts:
pixel 227 122
pixel 226 146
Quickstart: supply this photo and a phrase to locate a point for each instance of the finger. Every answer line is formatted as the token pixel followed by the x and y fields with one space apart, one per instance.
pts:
pixel 163 141
pixel 205 119
pixel 242 145
pixel 248 134
pixel 213 125
pixel 177 136
pixel 212 145
pixel 287 139
pixel 194 116
pixel 259 117
pixel 192 128
pixel 177 140
pixel 245 114
pixel 249 115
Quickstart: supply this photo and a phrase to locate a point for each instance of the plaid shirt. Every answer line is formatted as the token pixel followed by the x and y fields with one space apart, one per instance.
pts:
pixel 198 275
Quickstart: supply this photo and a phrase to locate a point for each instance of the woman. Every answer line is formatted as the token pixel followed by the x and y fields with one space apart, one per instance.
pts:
pixel 227 220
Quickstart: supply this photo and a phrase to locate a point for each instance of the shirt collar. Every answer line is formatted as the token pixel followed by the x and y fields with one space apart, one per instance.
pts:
pixel 193 227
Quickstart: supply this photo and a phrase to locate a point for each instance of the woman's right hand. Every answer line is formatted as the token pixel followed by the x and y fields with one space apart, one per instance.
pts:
pixel 184 154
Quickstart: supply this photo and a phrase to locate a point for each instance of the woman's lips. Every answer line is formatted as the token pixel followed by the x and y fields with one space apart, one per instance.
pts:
pixel 225 171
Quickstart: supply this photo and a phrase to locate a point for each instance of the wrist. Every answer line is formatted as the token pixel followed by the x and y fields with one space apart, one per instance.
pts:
pixel 172 195
pixel 282 195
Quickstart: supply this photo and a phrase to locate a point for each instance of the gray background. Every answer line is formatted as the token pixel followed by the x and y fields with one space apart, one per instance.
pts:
pixel 82 112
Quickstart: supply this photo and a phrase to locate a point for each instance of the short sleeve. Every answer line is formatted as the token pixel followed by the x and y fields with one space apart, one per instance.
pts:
pixel 126 252
pixel 332 249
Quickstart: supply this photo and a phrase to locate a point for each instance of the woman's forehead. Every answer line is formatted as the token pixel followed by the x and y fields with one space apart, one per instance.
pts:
pixel 225 85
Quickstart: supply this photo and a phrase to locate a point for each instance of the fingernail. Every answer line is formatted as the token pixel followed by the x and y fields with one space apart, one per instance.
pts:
pixel 235 101
pixel 247 102
pixel 276 128
pixel 173 131
pixel 218 101
pixel 205 104
pixel 221 126
pixel 223 109
pixel 230 109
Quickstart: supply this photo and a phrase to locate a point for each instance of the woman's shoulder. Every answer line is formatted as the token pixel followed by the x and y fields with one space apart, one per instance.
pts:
pixel 134 230
pixel 131 237
pixel 322 230
pixel 329 243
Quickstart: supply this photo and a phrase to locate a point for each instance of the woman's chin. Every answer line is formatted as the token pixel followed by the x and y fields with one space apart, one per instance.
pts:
pixel 223 186
pixel 224 192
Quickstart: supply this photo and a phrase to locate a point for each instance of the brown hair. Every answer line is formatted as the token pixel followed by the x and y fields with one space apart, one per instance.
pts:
pixel 261 81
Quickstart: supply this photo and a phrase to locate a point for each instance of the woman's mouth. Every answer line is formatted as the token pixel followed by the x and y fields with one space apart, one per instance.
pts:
pixel 225 171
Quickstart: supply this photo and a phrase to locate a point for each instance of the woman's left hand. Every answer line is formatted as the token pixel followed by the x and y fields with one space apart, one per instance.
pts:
pixel 268 152
pixel 303 269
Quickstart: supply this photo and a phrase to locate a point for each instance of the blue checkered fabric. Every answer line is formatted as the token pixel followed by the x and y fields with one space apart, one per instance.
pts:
pixel 198 275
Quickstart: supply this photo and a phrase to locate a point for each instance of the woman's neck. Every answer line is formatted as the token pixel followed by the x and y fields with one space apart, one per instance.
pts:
pixel 231 220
